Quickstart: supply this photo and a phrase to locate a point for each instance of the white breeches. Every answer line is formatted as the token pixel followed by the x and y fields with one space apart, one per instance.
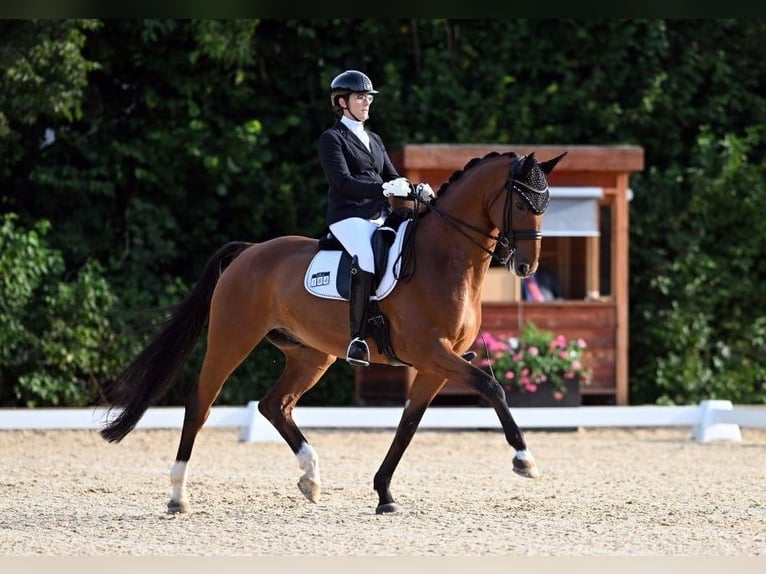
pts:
pixel 355 234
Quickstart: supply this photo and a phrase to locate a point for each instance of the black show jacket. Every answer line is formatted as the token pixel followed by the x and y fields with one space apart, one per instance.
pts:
pixel 355 175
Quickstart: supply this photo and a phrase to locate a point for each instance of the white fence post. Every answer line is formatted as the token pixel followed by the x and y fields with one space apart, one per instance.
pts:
pixel 709 428
pixel 256 428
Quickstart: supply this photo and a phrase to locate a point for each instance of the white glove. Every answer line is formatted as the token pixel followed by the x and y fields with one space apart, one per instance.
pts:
pixel 424 192
pixel 398 187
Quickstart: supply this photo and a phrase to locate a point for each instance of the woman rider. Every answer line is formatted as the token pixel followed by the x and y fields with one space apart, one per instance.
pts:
pixel 361 178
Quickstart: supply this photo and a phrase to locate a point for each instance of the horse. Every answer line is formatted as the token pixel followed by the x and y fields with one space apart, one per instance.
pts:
pixel 248 292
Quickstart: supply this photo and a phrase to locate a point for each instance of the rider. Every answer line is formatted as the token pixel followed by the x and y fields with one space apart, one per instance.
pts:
pixel 361 178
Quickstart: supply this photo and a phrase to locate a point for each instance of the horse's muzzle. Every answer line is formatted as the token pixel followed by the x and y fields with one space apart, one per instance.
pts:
pixel 521 269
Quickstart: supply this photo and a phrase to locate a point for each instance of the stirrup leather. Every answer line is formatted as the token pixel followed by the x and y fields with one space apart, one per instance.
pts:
pixel 358 353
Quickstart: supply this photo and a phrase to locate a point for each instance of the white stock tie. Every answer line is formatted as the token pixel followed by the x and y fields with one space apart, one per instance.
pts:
pixel 362 135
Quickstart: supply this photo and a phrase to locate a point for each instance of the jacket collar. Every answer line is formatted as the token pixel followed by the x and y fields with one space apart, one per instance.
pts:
pixel 351 137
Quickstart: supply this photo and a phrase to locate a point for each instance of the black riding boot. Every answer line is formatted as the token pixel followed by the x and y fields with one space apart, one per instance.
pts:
pixel 358 353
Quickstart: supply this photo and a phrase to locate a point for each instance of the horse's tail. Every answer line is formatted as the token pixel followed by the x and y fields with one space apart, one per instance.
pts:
pixel 150 375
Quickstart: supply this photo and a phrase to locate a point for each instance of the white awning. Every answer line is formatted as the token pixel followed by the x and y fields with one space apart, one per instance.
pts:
pixel 573 212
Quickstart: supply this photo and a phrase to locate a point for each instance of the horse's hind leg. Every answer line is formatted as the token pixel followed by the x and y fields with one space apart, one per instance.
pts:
pixel 303 368
pixel 219 362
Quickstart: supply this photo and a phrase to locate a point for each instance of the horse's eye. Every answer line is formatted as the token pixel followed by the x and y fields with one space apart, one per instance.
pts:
pixel 520 205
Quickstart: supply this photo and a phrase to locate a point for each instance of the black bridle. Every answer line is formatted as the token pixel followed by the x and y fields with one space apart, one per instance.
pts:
pixel 537 200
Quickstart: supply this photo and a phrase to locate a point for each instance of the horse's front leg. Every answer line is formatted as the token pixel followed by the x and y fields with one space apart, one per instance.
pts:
pixel 490 389
pixel 421 394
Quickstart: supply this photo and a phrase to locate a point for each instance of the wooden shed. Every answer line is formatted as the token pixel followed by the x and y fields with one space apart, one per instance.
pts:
pixel 585 247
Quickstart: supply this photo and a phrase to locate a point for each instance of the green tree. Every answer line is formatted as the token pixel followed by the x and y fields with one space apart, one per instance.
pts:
pixel 702 310
pixel 56 339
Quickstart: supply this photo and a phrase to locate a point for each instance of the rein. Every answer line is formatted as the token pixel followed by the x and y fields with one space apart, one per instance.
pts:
pixel 506 238
pixel 459 224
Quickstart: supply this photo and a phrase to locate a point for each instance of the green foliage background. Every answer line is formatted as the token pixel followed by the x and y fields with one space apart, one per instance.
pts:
pixel 131 149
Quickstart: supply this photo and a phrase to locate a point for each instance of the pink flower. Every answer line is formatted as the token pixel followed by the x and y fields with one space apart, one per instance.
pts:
pixel 522 365
pixel 494 345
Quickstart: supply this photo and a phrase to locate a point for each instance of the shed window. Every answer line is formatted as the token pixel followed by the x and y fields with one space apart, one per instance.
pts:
pixel 573 212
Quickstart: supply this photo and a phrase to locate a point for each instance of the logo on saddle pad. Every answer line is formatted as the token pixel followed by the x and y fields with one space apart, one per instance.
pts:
pixel 329 272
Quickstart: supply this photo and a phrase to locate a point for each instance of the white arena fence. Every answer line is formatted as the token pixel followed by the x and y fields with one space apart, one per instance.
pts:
pixel 709 421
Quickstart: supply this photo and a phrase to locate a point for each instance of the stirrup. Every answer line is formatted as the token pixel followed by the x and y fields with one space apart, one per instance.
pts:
pixel 358 353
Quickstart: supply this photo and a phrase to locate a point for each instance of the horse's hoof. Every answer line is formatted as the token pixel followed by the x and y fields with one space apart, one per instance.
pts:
pixel 390 508
pixel 309 488
pixel 526 468
pixel 178 507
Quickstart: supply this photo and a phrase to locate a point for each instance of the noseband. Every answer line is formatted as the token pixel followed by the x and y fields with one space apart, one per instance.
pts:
pixel 537 200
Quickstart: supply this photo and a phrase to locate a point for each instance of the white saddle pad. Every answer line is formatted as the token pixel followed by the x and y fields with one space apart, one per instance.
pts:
pixel 322 274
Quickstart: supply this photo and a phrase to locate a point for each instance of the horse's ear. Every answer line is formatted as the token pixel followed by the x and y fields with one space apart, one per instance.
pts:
pixel 547 166
pixel 526 167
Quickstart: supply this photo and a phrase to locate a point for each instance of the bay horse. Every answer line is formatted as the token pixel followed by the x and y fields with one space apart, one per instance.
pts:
pixel 246 292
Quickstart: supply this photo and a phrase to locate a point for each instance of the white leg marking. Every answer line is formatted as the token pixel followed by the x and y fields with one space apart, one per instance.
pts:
pixel 178 482
pixel 308 461
pixel 524 455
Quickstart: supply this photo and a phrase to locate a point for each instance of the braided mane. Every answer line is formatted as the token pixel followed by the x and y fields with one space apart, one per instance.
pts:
pixel 471 163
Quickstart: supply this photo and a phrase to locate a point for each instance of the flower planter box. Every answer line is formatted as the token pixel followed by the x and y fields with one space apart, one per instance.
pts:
pixel 543 397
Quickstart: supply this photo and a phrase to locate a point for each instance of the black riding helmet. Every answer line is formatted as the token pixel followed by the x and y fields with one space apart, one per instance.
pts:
pixel 349 82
